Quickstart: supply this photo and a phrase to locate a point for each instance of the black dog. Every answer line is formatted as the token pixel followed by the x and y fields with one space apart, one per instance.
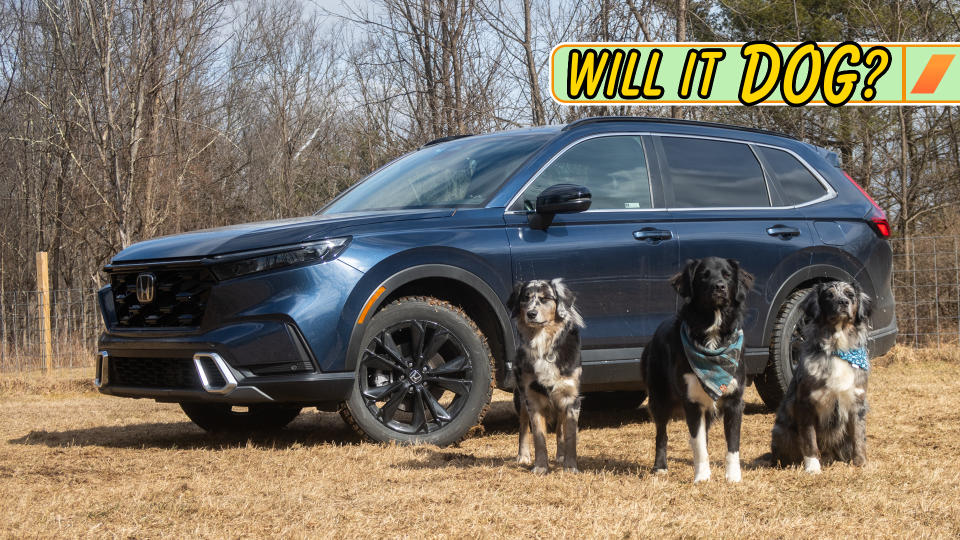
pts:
pixel 547 370
pixel 823 414
pixel 706 334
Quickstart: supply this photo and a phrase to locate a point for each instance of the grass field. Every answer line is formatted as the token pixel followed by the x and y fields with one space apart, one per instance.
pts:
pixel 74 463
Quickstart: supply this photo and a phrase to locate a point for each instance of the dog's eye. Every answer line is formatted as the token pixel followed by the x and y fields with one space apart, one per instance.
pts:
pixel 725 274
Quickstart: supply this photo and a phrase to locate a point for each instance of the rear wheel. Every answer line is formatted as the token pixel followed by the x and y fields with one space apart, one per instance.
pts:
pixel 221 417
pixel 425 375
pixel 785 344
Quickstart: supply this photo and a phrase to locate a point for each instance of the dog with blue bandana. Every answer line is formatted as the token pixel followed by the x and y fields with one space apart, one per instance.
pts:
pixel 823 414
pixel 693 362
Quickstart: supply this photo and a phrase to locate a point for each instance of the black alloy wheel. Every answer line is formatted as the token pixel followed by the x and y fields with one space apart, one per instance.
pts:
pixel 425 374
pixel 415 377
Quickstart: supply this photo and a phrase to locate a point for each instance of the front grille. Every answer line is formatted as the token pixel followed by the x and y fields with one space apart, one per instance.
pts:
pixel 179 300
pixel 178 373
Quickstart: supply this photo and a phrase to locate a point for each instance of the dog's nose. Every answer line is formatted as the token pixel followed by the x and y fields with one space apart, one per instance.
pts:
pixel 721 286
pixel 532 314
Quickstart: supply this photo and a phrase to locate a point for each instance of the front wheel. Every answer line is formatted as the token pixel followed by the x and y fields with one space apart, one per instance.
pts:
pixel 785 348
pixel 425 375
pixel 221 417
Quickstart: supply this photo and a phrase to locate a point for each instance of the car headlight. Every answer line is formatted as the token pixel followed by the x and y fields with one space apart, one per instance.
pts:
pixel 313 252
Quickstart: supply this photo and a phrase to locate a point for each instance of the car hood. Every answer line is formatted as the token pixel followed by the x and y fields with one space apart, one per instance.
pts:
pixel 265 234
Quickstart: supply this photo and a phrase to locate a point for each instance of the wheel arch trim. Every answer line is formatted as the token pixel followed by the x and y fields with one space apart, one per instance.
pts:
pixel 812 273
pixel 425 271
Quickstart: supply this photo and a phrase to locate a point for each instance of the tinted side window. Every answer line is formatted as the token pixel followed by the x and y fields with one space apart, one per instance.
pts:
pixel 797 184
pixel 613 168
pixel 709 173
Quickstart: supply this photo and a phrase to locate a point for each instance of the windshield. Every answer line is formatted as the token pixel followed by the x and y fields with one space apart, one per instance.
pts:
pixel 464 172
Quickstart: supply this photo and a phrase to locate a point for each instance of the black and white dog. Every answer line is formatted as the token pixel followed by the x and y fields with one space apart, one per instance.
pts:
pixel 547 370
pixel 823 414
pixel 693 361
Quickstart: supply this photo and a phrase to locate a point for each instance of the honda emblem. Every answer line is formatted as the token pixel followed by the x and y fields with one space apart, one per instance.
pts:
pixel 146 287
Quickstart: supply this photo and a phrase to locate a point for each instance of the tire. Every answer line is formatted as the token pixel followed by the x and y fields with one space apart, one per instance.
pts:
pixel 784 351
pixel 221 418
pixel 425 375
pixel 618 400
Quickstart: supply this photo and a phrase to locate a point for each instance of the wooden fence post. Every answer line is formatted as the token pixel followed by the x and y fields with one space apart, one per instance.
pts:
pixel 43 298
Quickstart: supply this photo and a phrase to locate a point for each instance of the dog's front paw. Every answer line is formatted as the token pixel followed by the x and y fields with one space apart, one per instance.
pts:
pixel 733 467
pixel 659 471
pixel 701 473
pixel 539 471
pixel 811 465
pixel 524 459
pixel 571 470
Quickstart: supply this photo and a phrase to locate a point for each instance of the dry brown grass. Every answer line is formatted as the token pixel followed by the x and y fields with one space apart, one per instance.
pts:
pixel 81 464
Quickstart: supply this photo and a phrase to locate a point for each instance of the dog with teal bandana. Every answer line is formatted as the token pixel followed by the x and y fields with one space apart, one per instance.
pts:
pixel 823 415
pixel 693 362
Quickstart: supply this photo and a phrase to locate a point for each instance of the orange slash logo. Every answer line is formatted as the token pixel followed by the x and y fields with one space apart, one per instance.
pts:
pixel 932 74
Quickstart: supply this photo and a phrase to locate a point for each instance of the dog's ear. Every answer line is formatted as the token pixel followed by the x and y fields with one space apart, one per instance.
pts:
pixel 565 300
pixel 742 281
pixel 811 303
pixel 513 303
pixel 864 305
pixel 683 282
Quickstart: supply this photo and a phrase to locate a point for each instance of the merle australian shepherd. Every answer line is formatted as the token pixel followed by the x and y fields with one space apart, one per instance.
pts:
pixel 547 370
pixel 823 414
pixel 706 333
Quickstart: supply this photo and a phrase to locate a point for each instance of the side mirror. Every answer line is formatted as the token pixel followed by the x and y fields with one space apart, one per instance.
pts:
pixel 558 199
pixel 563 199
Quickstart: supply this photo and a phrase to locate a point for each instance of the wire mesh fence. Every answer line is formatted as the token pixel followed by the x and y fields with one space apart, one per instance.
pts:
pixel 74 326
pixel 926 284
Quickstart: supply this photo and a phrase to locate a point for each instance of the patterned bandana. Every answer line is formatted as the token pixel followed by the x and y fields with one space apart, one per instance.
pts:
pixel 855 357
pixel 715 368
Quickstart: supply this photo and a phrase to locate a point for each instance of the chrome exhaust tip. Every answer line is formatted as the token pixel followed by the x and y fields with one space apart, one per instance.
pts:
pixel 215 375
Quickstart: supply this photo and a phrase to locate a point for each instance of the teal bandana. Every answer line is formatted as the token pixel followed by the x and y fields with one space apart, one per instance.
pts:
pixel 855 357
pixel 715 368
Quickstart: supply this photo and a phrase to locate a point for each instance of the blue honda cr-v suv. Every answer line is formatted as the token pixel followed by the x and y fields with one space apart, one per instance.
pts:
pixel 388 304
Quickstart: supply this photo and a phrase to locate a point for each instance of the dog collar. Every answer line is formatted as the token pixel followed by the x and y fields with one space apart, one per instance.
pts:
pixel 855 357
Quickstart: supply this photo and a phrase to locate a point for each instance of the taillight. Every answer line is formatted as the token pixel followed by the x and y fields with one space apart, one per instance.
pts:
pixel 881 226
pixel 877 218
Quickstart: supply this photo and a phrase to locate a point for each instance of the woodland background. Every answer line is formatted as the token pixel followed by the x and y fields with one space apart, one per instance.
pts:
pixel 123 120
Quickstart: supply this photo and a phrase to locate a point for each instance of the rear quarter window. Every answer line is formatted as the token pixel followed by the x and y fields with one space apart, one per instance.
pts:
pixel 796 183
pixel 706 173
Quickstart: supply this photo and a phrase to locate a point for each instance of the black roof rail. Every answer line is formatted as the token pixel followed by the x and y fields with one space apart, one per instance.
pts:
pixel 653 119
pixel 445 139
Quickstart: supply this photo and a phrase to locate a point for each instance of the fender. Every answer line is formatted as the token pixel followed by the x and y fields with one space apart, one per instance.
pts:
pixel 414 273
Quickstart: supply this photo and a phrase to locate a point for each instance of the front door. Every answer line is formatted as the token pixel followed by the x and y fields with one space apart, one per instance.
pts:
pixel 617 257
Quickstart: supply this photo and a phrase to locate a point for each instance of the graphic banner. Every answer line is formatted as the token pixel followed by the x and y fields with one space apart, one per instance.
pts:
pixel 756 73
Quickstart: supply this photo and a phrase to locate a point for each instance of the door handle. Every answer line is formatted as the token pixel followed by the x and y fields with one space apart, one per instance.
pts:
pixel 655 235
pixel 783 231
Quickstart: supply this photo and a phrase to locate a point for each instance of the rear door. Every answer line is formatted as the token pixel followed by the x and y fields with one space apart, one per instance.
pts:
pixel 617 256
pixel 722 202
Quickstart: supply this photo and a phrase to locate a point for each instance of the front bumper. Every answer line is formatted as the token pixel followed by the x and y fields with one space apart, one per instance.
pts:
pixel 207 377
pixel 275 336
